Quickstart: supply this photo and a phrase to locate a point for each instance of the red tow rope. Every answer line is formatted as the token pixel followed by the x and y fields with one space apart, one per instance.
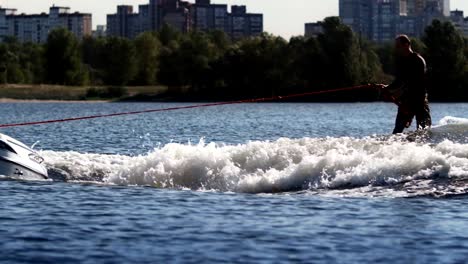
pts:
pixel 266 99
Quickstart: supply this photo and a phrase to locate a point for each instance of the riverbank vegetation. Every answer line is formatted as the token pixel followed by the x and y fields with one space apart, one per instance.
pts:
pixel 78 93
pixel 209 66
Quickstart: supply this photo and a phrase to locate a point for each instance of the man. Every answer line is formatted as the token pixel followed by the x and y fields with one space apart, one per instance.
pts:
pixel 408 90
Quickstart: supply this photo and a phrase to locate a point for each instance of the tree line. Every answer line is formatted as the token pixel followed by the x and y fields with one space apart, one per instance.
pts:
pixel 211 66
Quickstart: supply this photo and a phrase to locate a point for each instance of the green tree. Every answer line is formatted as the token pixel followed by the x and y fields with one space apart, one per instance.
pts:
pixel 369 63
pixel 63 59
pixel 92 50
pixel 257 66
pixel 119 60
pixel 466 47
pixel 148 48
pixel 10 54
pixel 446 61
pixel 386 55
pixel 341 50
pixel 188 63
pixel 198 53
pixel 32 62
pixel 349 60
pixel 168 34
pixel 346 60
pixel 220 40
pixel 418 46
pixel 306 63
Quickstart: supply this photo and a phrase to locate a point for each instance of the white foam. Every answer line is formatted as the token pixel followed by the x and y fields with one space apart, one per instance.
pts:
pixel 450 120
pixel 279 166
pixel 265 167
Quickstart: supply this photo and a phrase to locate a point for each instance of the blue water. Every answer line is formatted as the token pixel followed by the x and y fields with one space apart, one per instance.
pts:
pixel 268 183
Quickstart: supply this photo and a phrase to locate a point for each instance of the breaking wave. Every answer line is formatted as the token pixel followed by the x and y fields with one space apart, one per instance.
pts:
pixel 341 165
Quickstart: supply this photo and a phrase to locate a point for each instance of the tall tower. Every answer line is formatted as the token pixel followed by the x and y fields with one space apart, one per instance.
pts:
pixel 404 7
pixel 445 7
pixel 385 19
pixel 415 7
pixel 153 13
pixel 357 14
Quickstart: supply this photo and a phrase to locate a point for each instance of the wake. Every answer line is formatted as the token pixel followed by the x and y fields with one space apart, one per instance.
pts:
pixel 346 166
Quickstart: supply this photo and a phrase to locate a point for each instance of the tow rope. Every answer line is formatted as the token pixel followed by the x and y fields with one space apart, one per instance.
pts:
pixel 266 99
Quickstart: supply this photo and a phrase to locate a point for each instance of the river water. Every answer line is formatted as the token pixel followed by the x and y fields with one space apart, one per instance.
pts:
pixel 269 183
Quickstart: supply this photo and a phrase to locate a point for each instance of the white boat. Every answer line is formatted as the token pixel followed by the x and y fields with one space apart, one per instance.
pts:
pixel 19 161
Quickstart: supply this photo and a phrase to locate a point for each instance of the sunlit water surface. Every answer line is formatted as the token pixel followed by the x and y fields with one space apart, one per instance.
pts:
pixel 315 183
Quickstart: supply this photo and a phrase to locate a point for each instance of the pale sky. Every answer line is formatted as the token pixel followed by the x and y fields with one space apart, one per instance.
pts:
pixel 281 17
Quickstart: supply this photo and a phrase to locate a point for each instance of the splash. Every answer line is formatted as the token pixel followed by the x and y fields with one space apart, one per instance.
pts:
pixel 342 165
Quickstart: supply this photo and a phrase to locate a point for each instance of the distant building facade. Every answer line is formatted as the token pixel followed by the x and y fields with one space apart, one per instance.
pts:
pixel 465 28
pixel 175 13
pixel 184 16
pixel 358 15
pixel 242 24
pixel 122 23
pixel 382 20
pixel 101 31
pixel 150 17
pixel 207 16
pixel 385 19
pixel 312 30
pixel 459 21
pixel 36 28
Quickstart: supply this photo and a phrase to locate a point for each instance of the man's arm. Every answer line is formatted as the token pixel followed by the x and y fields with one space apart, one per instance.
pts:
pixel 395 85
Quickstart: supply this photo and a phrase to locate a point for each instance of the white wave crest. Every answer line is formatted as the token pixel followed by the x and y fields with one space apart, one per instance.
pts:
pixel 264 167
pixel 450 120
pixel 280 166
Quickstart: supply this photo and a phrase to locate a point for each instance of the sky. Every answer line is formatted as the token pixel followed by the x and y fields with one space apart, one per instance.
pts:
pixel 279 18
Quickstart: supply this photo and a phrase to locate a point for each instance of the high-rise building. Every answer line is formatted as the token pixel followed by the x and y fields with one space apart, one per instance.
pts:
pixel 36 28
pixel 122 24
pixel 377 20
pixel 80 24
pixel 385 19
pixel 101 31
pixel 175 13
pixel 445 7
pixel 357 14
pixel 312 30
pixel 144 18
pixel 126 23
pixel 415 7
pixel 207 16
pixel 242 24
pixel 459 21
pixel 5 29
pixel 436 9
pixel 381 20
pixel 465 27
pixel 184 16
pixel 153 14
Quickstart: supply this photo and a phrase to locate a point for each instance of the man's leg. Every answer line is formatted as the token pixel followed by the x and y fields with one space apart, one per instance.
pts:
pixel 423 116
pixel 403 120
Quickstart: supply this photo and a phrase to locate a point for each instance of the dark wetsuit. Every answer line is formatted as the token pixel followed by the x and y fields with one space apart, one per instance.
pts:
pixel 410 84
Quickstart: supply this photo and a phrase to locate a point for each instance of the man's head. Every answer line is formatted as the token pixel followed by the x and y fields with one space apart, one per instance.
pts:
pixel 402 45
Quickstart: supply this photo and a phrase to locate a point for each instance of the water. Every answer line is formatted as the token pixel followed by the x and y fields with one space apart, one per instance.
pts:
pixel 316 183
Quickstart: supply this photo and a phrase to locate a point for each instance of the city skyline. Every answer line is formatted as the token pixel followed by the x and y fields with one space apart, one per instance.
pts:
pixel 297 12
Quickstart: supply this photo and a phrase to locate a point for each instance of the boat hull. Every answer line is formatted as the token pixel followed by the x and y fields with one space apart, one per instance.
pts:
pixel 13 170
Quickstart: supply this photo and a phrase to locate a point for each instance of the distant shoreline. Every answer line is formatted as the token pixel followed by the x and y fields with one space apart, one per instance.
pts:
pixel 50 101
pixel 61 93
pixel 18 93
pixel 10 100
